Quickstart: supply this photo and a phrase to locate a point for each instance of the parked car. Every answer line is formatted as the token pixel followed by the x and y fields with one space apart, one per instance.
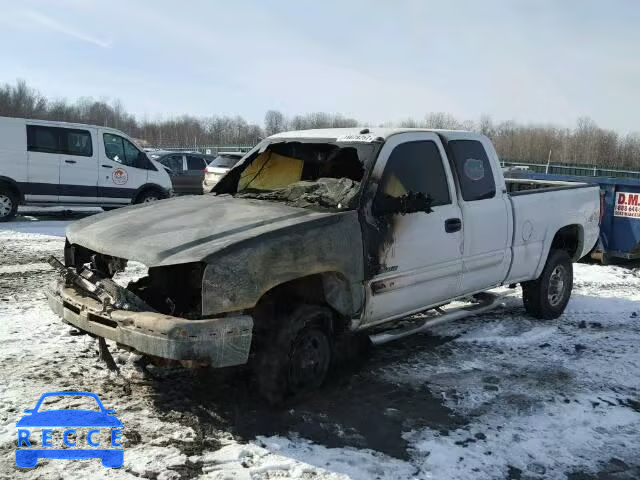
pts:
pixel 319 236
pixel 58 163
pixel 186 170
pixel 218 168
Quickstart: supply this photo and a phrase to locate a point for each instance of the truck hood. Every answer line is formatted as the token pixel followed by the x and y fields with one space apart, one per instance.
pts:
pixel 184 229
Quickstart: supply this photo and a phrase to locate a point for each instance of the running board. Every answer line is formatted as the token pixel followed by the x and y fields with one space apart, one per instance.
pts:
pixel 487 301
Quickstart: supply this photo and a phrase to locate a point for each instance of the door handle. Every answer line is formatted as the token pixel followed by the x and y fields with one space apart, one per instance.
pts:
pixel 452 225
pixel 69 161
pixel 106 166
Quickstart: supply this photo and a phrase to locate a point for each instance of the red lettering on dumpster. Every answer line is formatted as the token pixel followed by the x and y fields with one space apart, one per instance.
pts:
pixel 627 205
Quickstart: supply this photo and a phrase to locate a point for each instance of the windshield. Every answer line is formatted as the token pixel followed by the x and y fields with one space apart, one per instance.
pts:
pixel 225 161
pixel 304 174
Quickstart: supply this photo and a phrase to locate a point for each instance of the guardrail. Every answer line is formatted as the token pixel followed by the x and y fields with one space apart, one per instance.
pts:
pixel 579 170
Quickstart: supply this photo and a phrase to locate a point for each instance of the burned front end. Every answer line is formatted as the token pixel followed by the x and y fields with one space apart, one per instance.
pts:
pixel 159 314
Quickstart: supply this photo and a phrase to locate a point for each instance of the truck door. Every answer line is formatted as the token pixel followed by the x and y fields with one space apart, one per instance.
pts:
pixel 486 215
pixel 78 166
pixel 120 177
pixel 418 254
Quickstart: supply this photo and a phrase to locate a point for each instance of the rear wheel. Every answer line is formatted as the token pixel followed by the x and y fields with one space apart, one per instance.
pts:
pixel 547 296
pixel 294 355
pixel 8 204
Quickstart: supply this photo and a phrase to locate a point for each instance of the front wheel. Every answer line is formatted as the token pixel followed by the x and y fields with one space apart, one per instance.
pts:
pixel 295 354
pixel 8 205
pixel 149 196
pixel 547 296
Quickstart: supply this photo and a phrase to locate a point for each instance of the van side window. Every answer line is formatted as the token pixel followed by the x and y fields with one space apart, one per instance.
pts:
pixel 415 167
pixel 473 170
pixel 120 150
pixel 42 139
pixel 76 142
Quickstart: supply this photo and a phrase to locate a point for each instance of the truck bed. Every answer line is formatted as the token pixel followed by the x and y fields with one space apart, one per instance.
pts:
pixel 540 208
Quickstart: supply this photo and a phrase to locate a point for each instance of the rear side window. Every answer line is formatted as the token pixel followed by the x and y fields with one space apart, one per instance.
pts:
pixel 473 170
pixel 415 167
pixel 195 163
pixel 42 139
pixel 65 141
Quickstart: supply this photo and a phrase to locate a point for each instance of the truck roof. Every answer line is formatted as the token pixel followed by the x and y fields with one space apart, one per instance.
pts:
pixel 362 134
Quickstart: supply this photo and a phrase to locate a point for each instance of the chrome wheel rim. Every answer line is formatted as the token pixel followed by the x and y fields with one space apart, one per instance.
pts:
pixel 557 283
pixel 6 205
pixel 149 199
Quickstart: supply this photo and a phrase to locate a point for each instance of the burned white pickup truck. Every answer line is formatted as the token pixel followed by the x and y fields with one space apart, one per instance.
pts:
pixel 316 235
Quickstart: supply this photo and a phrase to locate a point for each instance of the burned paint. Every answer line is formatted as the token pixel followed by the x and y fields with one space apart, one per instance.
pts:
pixel 237 277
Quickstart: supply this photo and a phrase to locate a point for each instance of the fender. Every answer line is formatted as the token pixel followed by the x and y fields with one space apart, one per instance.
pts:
pixel 15 186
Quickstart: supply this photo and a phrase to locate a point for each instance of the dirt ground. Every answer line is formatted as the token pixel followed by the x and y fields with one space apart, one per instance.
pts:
pixel 498 396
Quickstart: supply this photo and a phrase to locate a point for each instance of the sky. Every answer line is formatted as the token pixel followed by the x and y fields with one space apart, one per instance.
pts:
pixel 535 61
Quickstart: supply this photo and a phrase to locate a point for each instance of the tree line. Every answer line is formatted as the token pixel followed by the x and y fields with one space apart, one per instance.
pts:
pixel 584 144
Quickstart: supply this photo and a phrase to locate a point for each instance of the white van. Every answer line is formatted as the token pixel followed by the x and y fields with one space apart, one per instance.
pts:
pixel 58 163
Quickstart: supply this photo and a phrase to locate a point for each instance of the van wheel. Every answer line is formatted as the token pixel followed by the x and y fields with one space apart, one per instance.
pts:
pixel 8 204
pixel 547 297
pixel 149 196
pixel 294 354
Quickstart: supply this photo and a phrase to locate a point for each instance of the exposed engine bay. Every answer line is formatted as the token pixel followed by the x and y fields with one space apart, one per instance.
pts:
pixel 172 290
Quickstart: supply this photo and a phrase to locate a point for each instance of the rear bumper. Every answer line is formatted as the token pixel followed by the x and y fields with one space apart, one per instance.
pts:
pixel 221 342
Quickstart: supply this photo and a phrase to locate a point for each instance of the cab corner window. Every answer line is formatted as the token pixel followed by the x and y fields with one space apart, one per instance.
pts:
pixel 473 170
pixel 415 167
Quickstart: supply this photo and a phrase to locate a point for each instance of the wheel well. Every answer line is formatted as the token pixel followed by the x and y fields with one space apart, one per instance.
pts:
pixel 569 239
pixel 12 187
pixel 329 288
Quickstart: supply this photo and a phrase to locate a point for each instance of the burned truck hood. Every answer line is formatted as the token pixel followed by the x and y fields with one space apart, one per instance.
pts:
pixel 183 229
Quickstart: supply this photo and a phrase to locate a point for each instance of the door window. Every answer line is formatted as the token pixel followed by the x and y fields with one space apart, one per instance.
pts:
pixel 473 170
pixel 174 162
pixel 415 167
pixel 120 150
pixel 195 163
pixel 77 142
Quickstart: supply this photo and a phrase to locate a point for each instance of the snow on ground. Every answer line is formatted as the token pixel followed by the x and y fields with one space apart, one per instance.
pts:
pixel 497 396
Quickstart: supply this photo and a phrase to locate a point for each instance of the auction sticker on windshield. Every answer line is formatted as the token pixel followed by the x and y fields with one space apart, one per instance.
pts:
pixel 49 431
pixel 627 205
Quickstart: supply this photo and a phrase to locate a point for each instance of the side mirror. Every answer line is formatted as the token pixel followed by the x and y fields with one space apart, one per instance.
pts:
pixel 411 202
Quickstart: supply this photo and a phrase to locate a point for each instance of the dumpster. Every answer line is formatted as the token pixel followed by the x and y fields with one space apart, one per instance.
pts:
pixel 619 213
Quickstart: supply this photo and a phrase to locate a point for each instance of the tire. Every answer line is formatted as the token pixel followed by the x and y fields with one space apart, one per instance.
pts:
pixel 547 297
pixel 8 204
pixel 294 355
pixel 149 196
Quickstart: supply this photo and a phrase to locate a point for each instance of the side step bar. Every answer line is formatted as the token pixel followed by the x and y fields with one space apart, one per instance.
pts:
pixel 486 301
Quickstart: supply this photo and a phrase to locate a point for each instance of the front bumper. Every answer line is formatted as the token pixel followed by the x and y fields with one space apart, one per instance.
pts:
pixel 221 342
